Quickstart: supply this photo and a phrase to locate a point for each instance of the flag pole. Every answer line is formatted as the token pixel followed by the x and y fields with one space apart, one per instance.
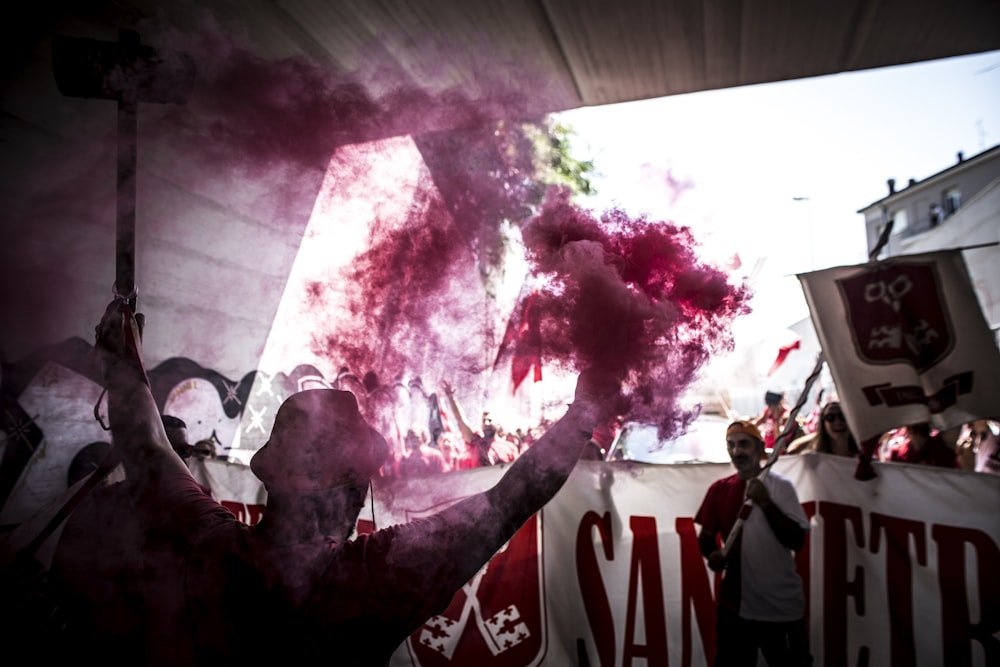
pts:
pixel 779 446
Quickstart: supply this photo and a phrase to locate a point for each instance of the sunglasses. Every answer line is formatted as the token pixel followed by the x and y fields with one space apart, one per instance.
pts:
pixel 834 416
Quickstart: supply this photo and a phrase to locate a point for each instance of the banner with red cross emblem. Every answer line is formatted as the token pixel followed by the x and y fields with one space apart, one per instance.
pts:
pixel 906 342
pixel 497 619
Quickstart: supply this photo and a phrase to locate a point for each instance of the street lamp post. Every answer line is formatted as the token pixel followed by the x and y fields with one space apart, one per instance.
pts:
pixel 812 246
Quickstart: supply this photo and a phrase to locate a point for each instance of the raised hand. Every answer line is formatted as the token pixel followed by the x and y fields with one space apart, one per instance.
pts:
pixel 118 338
pixel 599 391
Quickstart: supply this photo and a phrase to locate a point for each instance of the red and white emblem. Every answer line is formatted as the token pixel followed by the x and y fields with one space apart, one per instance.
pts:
pixel 498 618
pixel 896 315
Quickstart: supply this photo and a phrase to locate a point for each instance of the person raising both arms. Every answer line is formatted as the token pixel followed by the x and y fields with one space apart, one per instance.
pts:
pixel 299 583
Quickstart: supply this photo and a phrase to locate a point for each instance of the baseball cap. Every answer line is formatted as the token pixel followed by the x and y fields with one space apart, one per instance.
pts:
pixel 745 427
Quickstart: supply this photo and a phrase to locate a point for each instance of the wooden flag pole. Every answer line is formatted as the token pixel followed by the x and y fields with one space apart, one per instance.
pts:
pixel 779 447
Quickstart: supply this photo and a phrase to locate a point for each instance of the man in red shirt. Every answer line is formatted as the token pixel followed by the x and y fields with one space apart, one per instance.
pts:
pixel 761 601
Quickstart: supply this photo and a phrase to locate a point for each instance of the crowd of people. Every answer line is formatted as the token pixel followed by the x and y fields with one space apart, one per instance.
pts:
pixel 973 446
pixel 439 448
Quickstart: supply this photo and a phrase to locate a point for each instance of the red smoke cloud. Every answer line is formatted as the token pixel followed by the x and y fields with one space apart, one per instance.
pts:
pixel 256 137
pixel 630 293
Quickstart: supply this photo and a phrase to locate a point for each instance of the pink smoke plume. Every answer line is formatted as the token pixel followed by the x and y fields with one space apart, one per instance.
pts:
pixel 257 135
pixel 630 293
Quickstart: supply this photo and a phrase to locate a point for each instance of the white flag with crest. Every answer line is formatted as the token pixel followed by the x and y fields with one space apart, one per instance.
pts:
pixel 906 342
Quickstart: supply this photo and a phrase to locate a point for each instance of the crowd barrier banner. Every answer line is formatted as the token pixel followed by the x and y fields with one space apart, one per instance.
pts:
pixel 899 570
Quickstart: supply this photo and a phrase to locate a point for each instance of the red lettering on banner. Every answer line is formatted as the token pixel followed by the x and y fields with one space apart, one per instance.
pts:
pixel 836 586
pixel 254 512
pixel 595 597
pixel 645 570
pixel 962 594
pixel 696 592
pixel 957 629
pixel 802 559
pixel 248 514
pixel 899 579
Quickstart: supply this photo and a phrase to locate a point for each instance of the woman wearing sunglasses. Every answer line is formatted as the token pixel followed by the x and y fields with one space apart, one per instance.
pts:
pixel 832 437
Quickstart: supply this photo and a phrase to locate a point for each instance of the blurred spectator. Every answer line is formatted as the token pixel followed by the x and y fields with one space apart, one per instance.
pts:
pixel 773 420
pixel 923 446
pixel 483 448
pixel 979 446
pixel 813 421
pixel 502 449
pixel 602 440
pixel 965 446
pixel 449 450
pixel 987 447
pixel 203 450
pixel 421 459
pixel 833 436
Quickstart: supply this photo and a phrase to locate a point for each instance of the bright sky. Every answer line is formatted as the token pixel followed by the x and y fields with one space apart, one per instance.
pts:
pixel 748 153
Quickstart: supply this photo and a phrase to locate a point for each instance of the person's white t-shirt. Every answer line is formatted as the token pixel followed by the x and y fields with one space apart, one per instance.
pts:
pixel 771 589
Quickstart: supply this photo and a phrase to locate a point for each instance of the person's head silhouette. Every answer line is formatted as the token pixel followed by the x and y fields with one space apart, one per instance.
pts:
pixel 319 440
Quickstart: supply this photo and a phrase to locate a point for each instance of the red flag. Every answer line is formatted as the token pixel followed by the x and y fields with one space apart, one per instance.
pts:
pixel 783 354
pixel 523 340
pixel 528 350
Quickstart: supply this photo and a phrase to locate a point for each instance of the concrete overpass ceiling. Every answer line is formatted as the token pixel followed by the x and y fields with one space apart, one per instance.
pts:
pixel 584 52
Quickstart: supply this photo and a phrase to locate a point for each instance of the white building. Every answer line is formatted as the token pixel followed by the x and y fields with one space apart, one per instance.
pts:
pixel 958 207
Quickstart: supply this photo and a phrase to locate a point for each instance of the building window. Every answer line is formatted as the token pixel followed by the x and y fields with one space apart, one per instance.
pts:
pixel 936 215
pixel 899 221
pixel 952 200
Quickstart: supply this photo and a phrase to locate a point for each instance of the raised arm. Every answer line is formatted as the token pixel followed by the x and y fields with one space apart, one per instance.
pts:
pixel 463 425
pixel 459 540
pixel 136 427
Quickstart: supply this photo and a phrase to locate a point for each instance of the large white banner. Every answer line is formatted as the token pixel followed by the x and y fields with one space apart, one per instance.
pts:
pixel 906 342
pixel 900 570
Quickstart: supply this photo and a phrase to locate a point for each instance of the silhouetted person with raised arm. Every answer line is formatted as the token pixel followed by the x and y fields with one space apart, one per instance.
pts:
pixel 297 585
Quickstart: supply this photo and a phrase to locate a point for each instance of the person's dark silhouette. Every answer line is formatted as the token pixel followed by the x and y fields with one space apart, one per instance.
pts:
pixel 297 584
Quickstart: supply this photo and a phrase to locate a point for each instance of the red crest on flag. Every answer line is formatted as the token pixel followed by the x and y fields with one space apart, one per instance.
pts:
pixel 896 314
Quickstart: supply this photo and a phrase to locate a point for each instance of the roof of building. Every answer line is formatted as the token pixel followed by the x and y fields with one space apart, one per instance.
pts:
pixel 961 163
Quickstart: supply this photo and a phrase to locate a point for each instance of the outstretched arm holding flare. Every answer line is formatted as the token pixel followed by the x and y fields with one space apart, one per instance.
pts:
pixel 300 566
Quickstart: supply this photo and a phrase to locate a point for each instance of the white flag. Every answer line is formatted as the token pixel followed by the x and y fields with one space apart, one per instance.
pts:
pixel 906 342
